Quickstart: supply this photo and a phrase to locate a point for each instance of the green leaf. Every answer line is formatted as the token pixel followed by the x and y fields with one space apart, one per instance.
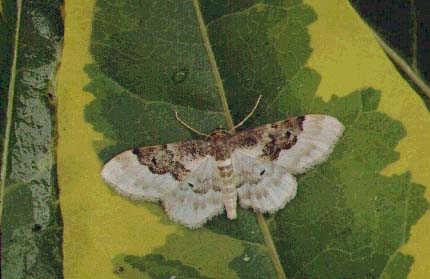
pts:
pixel 7 28
pixel 348 219
pixel 157 267
pixel 31 221
pixel 362 217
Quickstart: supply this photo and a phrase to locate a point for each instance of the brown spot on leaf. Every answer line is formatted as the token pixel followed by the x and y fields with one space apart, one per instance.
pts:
pixel 118 270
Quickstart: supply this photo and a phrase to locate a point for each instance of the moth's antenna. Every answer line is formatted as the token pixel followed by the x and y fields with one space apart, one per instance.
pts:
pixel 188 126
pixel 248 116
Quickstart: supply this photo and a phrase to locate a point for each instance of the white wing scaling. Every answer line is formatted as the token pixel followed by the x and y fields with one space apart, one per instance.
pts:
pixel 264 186
pixel 314 144
pixel 131 179
pixel 197 198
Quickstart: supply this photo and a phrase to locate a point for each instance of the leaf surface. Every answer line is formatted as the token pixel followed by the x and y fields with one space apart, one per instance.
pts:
pixel 31 221
pixel 353 215
pixel 405 36
pixel 7 28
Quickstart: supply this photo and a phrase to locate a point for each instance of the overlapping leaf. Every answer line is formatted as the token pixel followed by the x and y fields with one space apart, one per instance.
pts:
pixel 31 222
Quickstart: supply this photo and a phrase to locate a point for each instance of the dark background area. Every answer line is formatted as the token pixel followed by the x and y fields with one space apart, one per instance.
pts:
pixel 401 23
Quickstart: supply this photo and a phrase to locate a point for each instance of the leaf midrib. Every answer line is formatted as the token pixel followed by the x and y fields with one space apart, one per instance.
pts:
pixel 218 80
pixel 214 66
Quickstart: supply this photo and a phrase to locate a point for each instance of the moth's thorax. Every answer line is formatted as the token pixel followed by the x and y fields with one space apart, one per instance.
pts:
pixel 220 144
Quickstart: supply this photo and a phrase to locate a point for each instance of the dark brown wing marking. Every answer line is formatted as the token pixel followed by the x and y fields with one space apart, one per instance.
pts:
pixel 172 158
pixel 277 136
pixel 283 135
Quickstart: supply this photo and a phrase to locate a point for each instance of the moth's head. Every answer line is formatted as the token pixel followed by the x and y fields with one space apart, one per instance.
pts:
pixel 218 133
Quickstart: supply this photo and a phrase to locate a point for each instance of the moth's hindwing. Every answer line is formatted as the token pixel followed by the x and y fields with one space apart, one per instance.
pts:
pixel 181 175
pixel 263 185
pixel 265 158
pixel 197 198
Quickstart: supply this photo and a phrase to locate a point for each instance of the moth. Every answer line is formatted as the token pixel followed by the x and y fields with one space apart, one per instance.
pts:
pixel 198 179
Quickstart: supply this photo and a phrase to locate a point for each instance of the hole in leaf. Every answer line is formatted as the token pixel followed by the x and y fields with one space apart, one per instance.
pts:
pixel 37 228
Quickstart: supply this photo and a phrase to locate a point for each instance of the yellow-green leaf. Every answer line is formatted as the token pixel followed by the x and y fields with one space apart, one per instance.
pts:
pixel 126 64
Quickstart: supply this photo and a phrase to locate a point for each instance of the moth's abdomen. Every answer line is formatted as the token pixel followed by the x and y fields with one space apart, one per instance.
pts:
pixel 228 187
pixel 229 198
